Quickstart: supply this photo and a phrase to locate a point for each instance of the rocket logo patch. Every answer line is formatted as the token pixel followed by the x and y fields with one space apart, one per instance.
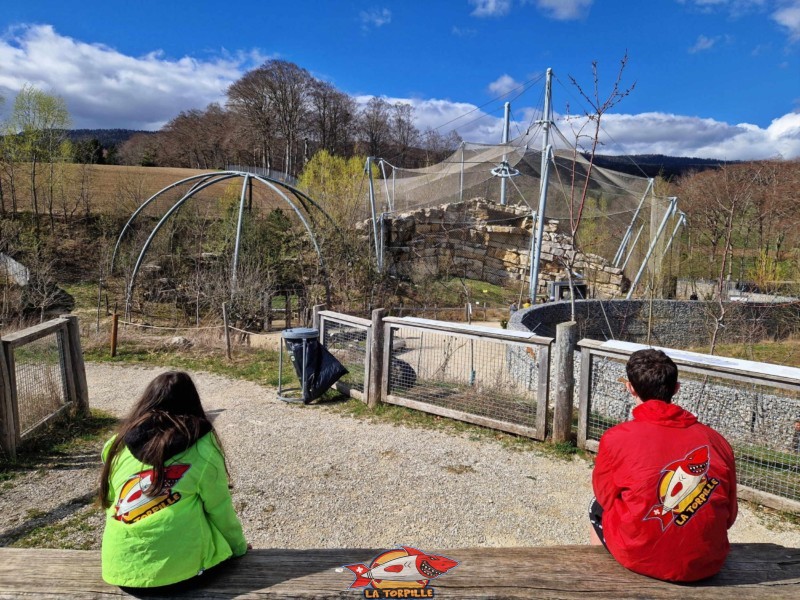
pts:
pixel 683 489
pixel 401 573
pixel 134 504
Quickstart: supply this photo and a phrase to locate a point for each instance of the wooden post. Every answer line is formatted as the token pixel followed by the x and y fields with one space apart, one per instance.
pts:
pixel 8 419
pixel 227 330
pixel 315 315
pixel 78 366
pixel 566 343
pixel 287 312
pixel 114 329
pixel 585 395
pixel 376 374
pixel 99 302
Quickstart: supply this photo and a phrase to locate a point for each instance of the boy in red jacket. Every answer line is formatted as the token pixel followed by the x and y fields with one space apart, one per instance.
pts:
pixel 664 484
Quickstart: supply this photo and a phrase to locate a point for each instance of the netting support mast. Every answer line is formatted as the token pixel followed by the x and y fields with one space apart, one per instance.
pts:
pixel 239 222
pixel 506 121
pixel 546 121
pixel 626 238
pixel 376 237
pixel 681 222
pixel 673 204
pixel 461 181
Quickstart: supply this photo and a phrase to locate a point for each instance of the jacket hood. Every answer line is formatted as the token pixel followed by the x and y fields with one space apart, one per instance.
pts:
pixel 137 437
pixel 664 413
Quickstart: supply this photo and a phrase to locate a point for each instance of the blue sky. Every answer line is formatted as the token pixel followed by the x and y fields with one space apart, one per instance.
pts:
pixel 714 78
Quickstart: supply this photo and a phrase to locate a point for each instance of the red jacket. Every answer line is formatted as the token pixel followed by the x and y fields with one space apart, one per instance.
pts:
pixel 667 485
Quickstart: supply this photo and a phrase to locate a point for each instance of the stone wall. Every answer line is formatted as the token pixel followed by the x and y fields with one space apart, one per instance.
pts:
pixel 489 242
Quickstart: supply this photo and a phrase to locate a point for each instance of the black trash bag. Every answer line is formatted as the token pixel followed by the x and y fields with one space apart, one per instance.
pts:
pixel 322 368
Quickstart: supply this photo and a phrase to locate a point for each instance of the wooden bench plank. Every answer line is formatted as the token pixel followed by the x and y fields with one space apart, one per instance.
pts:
pixel 752 571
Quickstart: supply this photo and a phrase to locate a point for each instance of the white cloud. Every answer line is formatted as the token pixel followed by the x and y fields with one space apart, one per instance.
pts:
pixel 703 43
pixel 105 88
pixel 677 135
pixel 490 8
pixel 645 133
pixel 503 85
pixel 375 17
pixel 565 10
pixel 788 16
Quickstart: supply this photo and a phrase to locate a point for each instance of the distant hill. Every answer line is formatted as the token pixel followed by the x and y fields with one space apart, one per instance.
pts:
pixel 653 165
pixel 106 137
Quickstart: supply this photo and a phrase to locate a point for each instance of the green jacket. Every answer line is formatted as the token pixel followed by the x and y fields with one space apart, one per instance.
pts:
pixel 191 526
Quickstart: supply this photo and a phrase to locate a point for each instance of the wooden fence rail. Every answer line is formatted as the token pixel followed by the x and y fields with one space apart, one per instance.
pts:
pixel 25 373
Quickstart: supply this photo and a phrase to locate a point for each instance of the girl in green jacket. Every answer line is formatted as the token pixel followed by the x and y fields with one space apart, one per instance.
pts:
pixel 164 487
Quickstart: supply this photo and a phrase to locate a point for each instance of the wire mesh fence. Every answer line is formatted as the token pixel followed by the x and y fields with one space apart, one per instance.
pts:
pixel 497 380
pixel 40 376
pixel 348 339
pixel 759 416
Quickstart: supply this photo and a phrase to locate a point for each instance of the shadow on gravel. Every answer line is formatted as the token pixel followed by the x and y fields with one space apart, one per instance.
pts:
pixel 42 519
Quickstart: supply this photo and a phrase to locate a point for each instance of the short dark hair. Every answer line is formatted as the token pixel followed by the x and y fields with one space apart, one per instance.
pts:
pixel 652 374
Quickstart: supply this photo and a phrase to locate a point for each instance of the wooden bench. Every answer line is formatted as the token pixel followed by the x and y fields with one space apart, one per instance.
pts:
pixel 752 571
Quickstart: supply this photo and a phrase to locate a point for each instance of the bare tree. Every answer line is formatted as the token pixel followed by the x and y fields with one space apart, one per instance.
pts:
pixel 437 147
pixel 250 99
pixel 274 97
pixel 585 129
pixel 404 134
pixel 332 117
pixel 373 125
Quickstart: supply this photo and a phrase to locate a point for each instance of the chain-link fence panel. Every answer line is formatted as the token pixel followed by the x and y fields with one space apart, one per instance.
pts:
pixel 760 418
pixel 349 342
pixel 501 383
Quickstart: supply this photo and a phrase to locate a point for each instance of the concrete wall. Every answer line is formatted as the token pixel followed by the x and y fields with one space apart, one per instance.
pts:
pixel 672 323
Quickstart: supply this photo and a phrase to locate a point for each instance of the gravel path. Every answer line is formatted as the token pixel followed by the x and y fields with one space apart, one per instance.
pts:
pixel 306 478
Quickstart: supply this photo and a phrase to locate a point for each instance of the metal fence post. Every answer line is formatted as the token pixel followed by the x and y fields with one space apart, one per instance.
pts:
pixel 566 342
pixel 78 366
pixel 376 373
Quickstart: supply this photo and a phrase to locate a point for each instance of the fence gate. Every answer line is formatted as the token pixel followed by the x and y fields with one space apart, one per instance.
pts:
pixel 43 376
pixel 483 375
pixel 348 339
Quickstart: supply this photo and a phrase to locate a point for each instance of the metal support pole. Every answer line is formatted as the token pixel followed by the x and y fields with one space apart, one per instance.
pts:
pixel 626 238
pixel 374 214
pixel 239 223
pixel 545 173
pixel 389 199
pixel 534 216
pixel 506 119
pixel 673 203
pixel 461 186
pixel 633 246
pixel 681 221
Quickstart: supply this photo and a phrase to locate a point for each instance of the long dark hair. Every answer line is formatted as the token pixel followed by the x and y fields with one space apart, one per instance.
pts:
pixel 170 412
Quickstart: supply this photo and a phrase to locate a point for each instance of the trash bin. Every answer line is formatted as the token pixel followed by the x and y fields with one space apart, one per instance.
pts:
pixel 316 368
